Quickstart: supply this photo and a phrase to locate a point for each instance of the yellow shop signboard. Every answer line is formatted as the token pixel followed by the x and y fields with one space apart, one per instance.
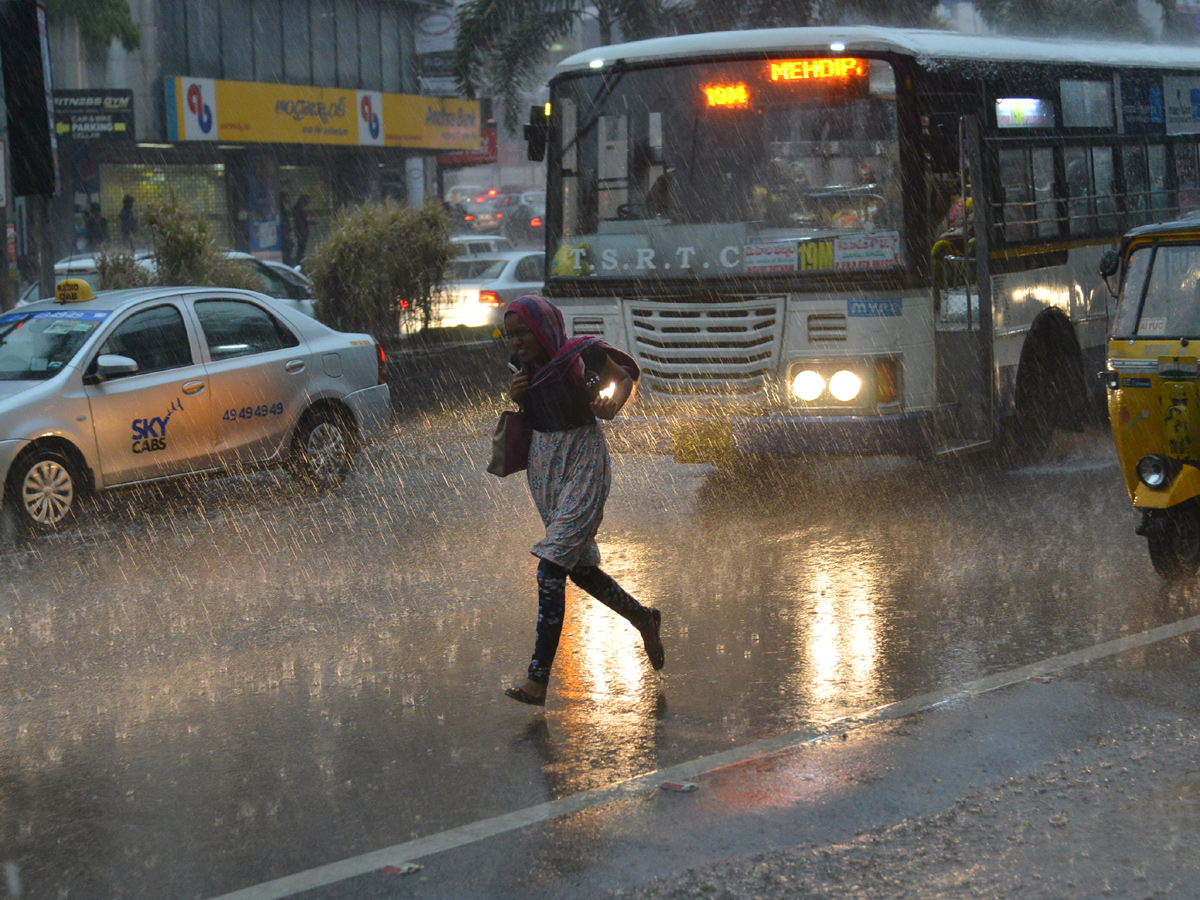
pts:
pixel 206 109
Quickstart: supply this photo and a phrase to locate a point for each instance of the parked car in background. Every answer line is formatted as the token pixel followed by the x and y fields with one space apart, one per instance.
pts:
pixel 277 280
pixel 524 218
pixel 273 279
pixel 479 288
pixel 108 390
pixel 460 192
pixel 83 267
pixel 487 215
pixel 459 218
pixel 476 245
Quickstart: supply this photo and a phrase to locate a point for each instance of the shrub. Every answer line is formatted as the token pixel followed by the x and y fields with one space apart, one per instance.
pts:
pixel 380 267
pixel 182 253
pixel 121 270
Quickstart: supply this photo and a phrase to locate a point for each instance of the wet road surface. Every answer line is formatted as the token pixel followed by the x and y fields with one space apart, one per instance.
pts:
pixel 208 687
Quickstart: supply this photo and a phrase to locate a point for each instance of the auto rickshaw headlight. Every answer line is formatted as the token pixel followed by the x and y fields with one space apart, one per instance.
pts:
pixel 1155 471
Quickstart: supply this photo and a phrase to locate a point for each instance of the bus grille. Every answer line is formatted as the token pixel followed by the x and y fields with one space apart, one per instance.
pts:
pixel 706 349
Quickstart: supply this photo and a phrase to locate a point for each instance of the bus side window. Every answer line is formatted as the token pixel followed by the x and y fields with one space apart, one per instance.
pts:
pixel 1018 195
pixel 1156 166
pixel 1137 185
pixel 1104 187
pixel 1090 203
pixel 1027 175
pixel 1188 197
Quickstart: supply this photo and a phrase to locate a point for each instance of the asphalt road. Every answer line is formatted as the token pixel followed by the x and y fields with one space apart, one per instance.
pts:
pixel 209 687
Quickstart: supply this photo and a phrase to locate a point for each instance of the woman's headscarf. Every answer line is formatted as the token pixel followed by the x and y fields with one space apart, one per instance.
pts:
pixel 545 322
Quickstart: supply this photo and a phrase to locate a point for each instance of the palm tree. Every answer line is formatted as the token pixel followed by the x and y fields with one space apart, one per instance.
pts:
pixel 502 45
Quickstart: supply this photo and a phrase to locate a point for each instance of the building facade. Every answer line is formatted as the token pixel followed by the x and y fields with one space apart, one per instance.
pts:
pixel 244 107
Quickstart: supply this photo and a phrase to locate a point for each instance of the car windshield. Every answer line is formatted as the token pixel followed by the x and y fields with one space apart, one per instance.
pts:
pixel 36 346
pixel 462 269
pixel 1161 296
pixel 728 167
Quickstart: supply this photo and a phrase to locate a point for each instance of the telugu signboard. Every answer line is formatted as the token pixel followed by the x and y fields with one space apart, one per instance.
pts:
pixel 98 115
pixel 206 109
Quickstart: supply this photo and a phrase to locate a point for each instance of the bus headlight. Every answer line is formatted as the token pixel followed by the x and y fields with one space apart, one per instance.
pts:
pixel 845 385
pixel 808 385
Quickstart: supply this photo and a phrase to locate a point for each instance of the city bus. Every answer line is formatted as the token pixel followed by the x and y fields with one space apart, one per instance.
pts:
pixel 856 240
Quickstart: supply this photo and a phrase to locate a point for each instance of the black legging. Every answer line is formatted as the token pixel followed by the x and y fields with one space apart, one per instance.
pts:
pixel 552 606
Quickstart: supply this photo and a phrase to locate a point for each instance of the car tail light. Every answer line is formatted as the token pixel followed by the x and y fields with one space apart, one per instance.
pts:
pixel 382 363
pixel 535 222
pixel 499 215
pixel 468 218
pixel 490 298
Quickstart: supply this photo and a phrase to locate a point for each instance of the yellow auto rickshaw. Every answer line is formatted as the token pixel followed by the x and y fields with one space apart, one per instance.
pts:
pixel 1152 386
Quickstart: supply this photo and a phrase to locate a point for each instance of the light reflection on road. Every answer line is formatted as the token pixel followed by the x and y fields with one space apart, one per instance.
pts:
pixel 837 582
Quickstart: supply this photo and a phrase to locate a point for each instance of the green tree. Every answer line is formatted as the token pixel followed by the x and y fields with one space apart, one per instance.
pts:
pixel 502 45
pixel 377 256
pixel 1085 18
pixel 100 21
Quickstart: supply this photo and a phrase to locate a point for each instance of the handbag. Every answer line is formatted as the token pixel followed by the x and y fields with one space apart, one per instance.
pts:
pixel 510 444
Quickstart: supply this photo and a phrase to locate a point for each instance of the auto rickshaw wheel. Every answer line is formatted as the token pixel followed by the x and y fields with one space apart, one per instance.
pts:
pixel 1174 541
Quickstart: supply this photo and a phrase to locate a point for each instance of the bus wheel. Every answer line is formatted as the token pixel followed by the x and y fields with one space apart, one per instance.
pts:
pixel 1174 541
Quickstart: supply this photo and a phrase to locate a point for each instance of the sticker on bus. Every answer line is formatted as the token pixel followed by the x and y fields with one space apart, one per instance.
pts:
pixel 867 251
pixel 873 309
pixel 776 257
pixel 1152 325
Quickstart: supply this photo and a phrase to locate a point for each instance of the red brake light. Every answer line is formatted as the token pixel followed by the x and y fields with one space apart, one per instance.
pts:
pixel 480 198
pixel 468 217
pixel 382 363
pixel 490 298
pixel 499 215
pixel 493 192
pixel 535 222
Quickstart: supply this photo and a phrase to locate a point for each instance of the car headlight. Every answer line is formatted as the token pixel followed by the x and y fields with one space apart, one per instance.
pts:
pixel 808 385
pixel 845 385
pixel 1155 471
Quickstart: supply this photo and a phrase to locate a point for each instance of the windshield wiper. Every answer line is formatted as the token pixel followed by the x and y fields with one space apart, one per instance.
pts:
pixel 610 84
pixel 5 332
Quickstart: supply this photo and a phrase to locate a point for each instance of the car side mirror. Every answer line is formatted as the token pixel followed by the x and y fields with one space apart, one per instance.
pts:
pixel 108 366
pixel 1110 265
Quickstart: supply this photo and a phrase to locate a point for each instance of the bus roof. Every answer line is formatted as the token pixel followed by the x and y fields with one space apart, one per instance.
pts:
pixel 870 39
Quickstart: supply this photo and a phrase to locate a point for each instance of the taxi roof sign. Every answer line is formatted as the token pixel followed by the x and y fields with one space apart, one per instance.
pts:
pixel 73 290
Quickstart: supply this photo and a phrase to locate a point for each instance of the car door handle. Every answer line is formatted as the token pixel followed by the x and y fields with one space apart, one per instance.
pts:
pixel 193 387
pixel 295 365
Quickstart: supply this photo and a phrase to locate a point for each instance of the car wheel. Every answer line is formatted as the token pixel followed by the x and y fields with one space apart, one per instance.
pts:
pixel 44 490
pixel 323 451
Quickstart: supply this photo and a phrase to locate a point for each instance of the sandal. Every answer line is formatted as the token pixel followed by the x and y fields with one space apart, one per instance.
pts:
pixel 523 696
pixel 652 641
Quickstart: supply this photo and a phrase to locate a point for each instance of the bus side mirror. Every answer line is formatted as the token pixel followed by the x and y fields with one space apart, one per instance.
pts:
pixel 537 133
pixel 1110 264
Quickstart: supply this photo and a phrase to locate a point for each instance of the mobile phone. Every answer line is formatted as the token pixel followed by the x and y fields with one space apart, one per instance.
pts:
pixel 513 367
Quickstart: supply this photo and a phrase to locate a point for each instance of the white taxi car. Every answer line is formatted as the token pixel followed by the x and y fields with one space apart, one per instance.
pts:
pixel 120 388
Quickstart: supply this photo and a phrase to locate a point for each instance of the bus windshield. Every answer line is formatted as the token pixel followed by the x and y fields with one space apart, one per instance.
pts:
pixel 714 169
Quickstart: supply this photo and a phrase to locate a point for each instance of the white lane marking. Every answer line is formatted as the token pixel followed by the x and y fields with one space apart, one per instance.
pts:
pixel 345 869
